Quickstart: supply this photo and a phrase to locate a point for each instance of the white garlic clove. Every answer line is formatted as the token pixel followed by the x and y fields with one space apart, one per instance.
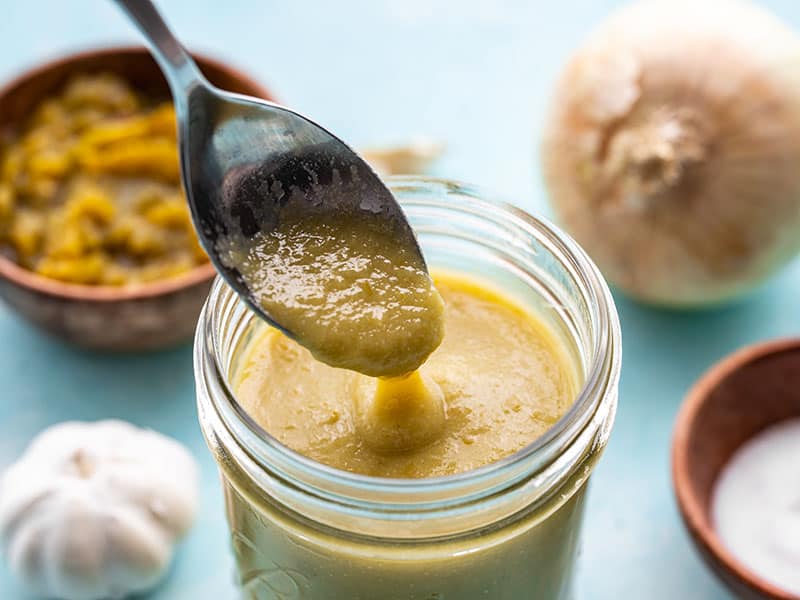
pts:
pixel 413 158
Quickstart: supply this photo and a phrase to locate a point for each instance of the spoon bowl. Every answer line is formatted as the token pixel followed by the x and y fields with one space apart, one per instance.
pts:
pixel 249 163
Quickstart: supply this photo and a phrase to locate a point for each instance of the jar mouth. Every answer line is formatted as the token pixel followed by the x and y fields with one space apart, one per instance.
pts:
pixel 598 389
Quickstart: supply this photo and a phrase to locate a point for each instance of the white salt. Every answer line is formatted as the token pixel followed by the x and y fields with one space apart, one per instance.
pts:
pixel 756 505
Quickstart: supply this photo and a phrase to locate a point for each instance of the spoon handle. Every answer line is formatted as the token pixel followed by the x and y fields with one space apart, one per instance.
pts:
pixel 178 67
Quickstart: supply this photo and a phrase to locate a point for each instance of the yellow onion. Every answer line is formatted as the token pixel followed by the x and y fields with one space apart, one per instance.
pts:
pixel 672 149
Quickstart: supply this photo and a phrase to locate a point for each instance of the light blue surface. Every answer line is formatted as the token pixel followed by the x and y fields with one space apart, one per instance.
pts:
pixel 475 74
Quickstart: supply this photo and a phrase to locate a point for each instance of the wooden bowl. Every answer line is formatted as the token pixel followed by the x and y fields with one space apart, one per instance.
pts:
pixel 736 399
pixel 123 318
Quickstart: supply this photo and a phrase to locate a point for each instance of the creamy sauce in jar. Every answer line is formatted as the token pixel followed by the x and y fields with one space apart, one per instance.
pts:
pixel 499 380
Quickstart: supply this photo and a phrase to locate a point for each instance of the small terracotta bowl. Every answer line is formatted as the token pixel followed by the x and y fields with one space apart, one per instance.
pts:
pixel 142 317
pixel 736 399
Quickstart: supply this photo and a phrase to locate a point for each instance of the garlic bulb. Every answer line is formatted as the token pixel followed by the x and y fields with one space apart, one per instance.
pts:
pixel 672 150
pixel 93 510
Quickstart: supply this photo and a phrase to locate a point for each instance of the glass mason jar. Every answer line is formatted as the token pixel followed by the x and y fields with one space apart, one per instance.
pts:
pixel 506 531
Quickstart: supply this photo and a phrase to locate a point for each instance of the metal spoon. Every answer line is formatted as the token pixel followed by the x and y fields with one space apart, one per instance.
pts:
pixel 243 160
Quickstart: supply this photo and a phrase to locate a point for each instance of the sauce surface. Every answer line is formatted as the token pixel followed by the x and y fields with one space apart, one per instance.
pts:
pixel 503 375
pixel 356 298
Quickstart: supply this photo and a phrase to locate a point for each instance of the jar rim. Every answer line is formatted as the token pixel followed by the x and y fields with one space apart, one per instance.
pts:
pixel 599 384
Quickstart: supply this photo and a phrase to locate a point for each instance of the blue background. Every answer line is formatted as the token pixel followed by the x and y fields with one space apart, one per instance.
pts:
pixel 476 74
